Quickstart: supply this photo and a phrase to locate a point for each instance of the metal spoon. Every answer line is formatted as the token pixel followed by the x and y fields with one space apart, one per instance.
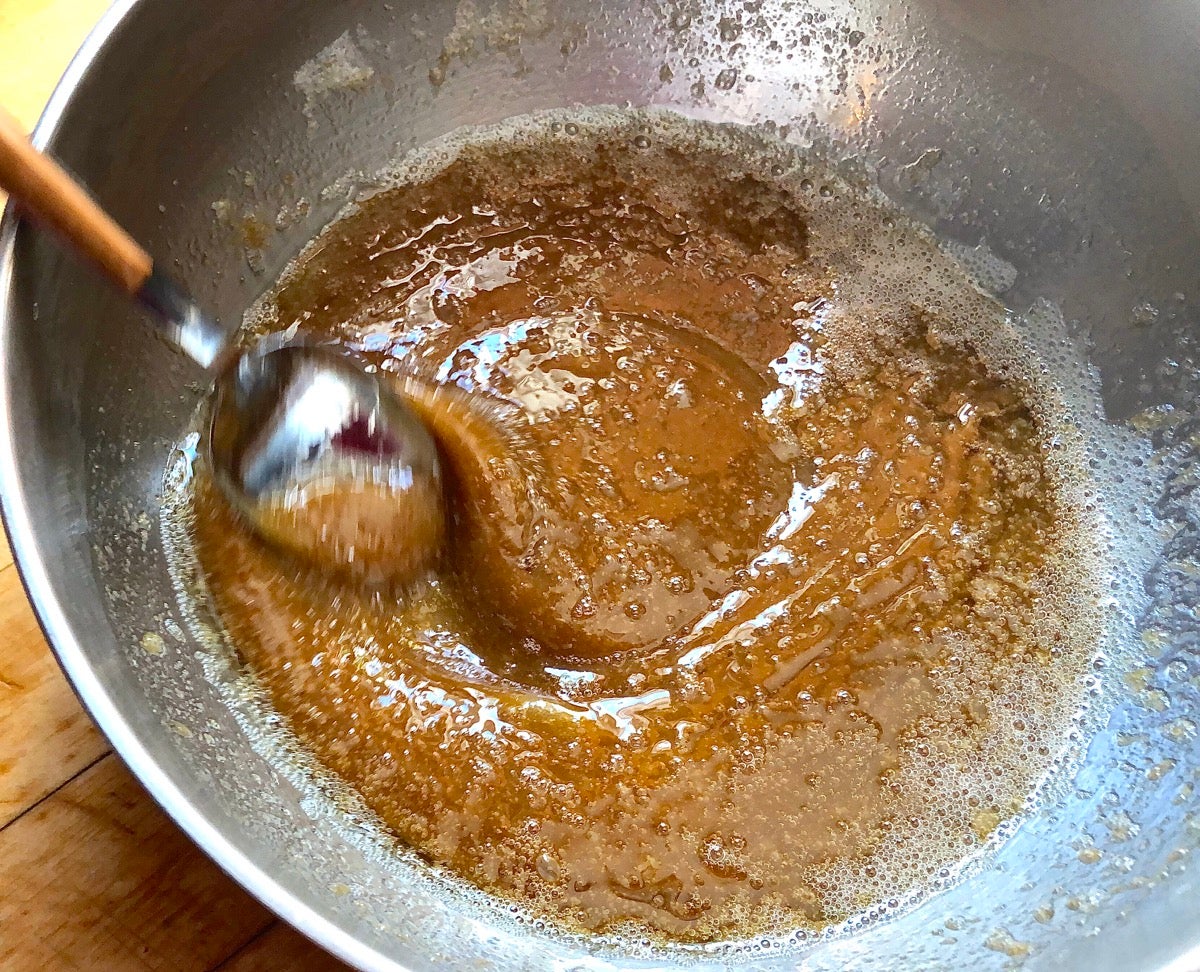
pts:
pixel 320 456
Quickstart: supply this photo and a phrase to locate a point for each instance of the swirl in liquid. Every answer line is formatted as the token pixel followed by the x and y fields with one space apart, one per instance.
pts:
pixel 804 613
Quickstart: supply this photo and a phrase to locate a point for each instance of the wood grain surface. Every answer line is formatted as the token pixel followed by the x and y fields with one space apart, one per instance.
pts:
pixel 58 202
pixel 93 875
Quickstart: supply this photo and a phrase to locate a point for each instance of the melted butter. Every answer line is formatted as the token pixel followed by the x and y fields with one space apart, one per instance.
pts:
pixel 800 615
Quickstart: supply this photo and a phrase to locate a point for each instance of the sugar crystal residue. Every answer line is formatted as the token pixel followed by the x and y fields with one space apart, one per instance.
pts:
pixel 340 66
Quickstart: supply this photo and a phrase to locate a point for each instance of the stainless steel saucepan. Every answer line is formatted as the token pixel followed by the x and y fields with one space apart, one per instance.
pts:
pixel 1054 143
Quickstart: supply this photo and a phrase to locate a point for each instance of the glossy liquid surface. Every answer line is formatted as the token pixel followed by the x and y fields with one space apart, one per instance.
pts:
pixel 804 610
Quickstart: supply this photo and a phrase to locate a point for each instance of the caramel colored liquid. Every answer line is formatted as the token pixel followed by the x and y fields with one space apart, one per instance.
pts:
pixel 805 605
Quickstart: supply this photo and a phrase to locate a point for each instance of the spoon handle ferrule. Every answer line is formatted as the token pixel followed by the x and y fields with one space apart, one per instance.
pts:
pixel 182 323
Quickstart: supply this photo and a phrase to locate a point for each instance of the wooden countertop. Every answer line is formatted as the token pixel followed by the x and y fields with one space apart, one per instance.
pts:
pixel 93 876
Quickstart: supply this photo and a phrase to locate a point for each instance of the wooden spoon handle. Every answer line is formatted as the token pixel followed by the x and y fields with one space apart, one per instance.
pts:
pixel 44 190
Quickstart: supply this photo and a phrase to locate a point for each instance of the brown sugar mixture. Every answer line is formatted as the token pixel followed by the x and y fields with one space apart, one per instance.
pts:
pixel 804 609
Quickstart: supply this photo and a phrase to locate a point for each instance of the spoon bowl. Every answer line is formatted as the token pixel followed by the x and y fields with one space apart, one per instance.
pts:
pixel 325 461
